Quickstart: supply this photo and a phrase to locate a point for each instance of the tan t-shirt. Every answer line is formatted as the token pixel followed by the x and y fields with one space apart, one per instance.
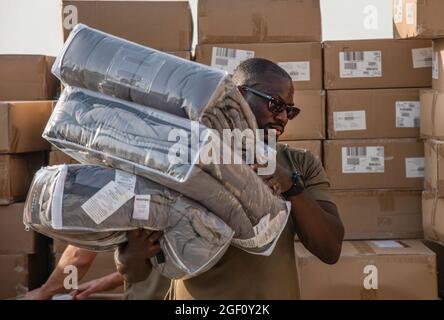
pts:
pixel 241 275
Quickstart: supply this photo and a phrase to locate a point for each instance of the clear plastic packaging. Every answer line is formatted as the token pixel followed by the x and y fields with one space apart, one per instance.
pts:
pixel 64 202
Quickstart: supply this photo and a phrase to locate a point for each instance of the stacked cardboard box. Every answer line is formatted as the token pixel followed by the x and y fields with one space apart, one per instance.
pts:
pixel 231 31
pixel 26 92
pixel 375 164
pixel 423 19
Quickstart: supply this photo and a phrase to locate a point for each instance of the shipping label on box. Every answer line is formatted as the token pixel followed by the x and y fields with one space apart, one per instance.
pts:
pixel 349 120
pixel 298 71
pixel 363 159
pixel 229 59
pixel 422 57
pixel 360 64
pixel 408 114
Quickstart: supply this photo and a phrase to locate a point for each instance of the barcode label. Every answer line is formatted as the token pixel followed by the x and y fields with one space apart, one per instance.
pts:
pixel 414 167
pixel 435 66
pixel 408 114
pixel 298 71
pixel 363 159
pixel 349 120
pixel 228 59
pixel 360 64
pixel 422 57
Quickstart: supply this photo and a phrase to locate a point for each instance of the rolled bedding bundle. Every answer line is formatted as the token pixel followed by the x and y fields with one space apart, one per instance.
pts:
pixel 92 207
pixel 100 130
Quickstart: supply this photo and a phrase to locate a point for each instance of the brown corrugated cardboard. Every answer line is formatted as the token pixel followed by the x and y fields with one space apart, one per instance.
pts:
pixel 438 248
pixel 163 25
pixel 13 275
pixel 16 173
pixel 250 21
pixel 418 19
pixel 314 146
pixel 372 64
pixel 434 166
pixel 375 164
pixel 22 124
pixel 438 65
pixel 13 236
pixel 370 270
pixel 433 216
pixel 58 157
pixel 103 265
pixel 432 114
pixel 380 214
pixel 27 77
pixel 310 123
pixel 302 60
pixel 373 114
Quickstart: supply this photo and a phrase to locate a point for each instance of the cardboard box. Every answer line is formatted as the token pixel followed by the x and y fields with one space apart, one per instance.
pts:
pixel 27 77
pixel 373 114
pixel 13 275
pixel 438 248
pixel 432 114
pixel 16 173
pixel 22 124
pixel 418 19
pixel 370 270
pixel 103 265
pixel 433 216
pixel 434 166
pixel 314 146
pixel 14 238
pixel 302 60
pixel 373 64
pixel 310 123
pixel 380 214
pixel 254 21
pixel 438 65
pixel 163 25
pixel 58 157
pixel 375 164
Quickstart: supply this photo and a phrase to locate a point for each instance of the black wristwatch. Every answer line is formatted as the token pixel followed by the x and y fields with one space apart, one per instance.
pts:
pixel 298 186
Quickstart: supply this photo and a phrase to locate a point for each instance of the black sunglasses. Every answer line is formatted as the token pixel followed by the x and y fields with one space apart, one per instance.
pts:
pixel 275 104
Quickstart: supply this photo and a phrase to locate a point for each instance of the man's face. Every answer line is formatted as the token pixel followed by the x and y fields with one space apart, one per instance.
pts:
pixel 276 86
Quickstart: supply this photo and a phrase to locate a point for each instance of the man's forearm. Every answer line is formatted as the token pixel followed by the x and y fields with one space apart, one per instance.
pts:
pixel 81 259
pixel 320 231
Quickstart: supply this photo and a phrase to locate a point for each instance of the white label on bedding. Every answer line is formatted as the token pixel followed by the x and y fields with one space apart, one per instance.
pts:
pixel 267 235
pixel 125 180
pixel 349 120
pixel 263 224
pixel 414 167
pixel 363 159
pixel 410 13
pixel 360 64
pixel 228 59
pixel 397 14
pixel 387 244
pixel 408 114
pixel 106 201
pixel 142 207
pixel 299 71
pixel 435 66
pixel 422 57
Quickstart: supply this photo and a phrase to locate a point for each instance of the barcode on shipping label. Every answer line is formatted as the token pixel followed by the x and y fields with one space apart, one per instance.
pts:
pixel 414 167
pixel 141 210
pixel 435 66
pixel 422 57
pixel 228 59
pixel 360 64
pixel 363 160
pixel 298 71
pixel 397 11
pixel 349 120
pixel 125 180
pixel 408 114
pixel 410 13
pixel 106 201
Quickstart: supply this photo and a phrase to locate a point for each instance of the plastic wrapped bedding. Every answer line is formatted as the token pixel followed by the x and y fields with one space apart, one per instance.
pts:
pixel 95 129
pixel 92 207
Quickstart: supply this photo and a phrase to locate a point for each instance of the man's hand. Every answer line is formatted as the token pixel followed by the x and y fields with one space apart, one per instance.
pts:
pixel 132 258
pixel 103 284
pixel 279 182
pixel 37 294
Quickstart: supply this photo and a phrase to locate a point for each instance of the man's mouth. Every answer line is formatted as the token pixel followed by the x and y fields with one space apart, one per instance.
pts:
pixel 279 129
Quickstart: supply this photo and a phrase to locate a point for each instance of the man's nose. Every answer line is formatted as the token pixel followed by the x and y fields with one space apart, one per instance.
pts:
pixel 282 116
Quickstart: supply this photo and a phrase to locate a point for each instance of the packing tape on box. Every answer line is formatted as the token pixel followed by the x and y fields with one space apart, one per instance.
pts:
pixel 363 247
